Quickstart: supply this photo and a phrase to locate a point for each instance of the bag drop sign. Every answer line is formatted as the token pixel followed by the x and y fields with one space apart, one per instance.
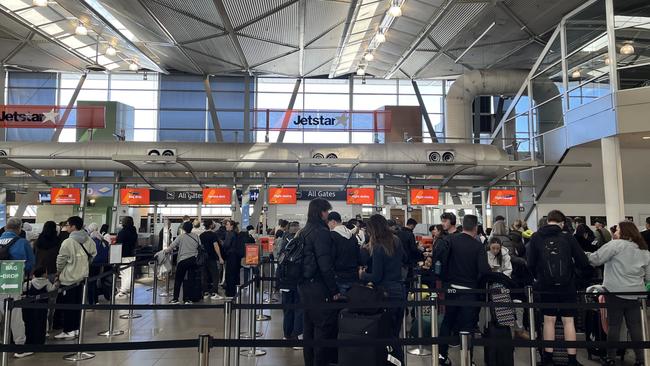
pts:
pixel 11 277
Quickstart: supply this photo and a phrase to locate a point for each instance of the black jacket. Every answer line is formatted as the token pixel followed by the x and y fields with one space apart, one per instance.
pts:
pixel 47 249
pixel 346 257
pixel 536 248
pixel 161 236
pixel 466 261
pixel 233 247
pixel 128 237
pixel 410 246
pixel 318 263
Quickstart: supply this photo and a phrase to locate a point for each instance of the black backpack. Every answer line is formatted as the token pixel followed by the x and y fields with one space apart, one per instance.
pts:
pixel 291 259
pixel 556 262
pixel 5 245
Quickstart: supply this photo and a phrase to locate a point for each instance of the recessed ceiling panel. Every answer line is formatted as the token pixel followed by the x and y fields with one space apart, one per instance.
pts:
pixel 323 15
pixel 258 52
pixel 281 26
pixel 220 47
pixel 287 65
pixel 241 12
pixel 181 27
pixel 203 9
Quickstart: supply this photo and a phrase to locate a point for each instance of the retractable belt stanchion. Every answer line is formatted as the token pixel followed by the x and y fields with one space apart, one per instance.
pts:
pixel 111 332
pixel 238 323
pixel 80 356
pixel 6 335
pixel 404 347
pixel 420 350
pixel 227 314
pixel 261 317
pixel 154 292
pixel 131 315
pixel 204 350
pixel 434 330
pixel 271 298
pixel 644 330
pixel 531 325
pixel 465 354
pixel 252 328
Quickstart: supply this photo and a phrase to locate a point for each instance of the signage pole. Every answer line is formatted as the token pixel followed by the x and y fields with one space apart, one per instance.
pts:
pixel 7 330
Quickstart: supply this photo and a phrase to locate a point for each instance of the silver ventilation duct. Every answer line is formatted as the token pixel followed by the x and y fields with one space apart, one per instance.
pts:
pixel 400 158
pixel 461 95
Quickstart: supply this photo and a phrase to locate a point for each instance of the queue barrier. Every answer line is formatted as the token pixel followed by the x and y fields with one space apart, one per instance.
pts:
pixel 205 342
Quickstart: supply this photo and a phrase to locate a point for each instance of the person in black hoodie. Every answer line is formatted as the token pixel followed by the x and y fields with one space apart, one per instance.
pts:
pixel 128 237
pixel 318 284
pixel 410 246
pixel 465 264
pixel 346 253
pixel 553 257
pixel 234 252
pixel 47 248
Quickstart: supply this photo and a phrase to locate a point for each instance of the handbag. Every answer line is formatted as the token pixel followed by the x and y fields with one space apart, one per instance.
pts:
pixel 201 255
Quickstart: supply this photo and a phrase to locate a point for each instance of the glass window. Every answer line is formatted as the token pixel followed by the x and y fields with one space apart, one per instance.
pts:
pixel 375 86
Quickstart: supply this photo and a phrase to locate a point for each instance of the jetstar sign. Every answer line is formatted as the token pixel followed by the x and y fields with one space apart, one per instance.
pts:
pixel 43 116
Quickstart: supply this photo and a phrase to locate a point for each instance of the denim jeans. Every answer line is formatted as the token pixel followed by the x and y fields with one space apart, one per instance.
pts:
pixel 292 322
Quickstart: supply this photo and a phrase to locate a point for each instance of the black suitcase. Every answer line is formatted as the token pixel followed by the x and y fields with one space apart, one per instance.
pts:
pixel 501 355
pixel 595 332
pixel 363 326
pixel 192 286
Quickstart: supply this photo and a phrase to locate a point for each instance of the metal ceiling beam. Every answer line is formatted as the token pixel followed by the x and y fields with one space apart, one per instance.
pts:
pixel 211 56
pixel 20 37
pixel 221 9
pixel 189 15
pixel 423 111
pixel 302 14
pixel 433 21
pixel 32 173
pixel 441 51
pixel 200 39
pixel 273 59
pixel 354 8
pixel 68 109
pixel 137 171
pixel 269 41
pixel 170 36
pixel 287 114
pixel 266 14
pixel 218 135
pixel 18 48
pixel 189 168
pixel 520 23
pixel 323 34
pixel 453 174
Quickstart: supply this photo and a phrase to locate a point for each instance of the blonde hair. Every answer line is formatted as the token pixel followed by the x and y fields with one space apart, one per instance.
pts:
pixel 517 224
pixel 196 223
pixel 499 228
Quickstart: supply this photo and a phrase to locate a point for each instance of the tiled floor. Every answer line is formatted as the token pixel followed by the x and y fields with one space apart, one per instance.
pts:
pixel 188 323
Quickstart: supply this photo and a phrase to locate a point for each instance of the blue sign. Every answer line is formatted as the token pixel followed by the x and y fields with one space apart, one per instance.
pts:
pixel 3 215
pixel 245 216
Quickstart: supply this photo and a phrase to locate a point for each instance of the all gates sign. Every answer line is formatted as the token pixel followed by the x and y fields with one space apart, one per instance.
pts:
pixel 50 116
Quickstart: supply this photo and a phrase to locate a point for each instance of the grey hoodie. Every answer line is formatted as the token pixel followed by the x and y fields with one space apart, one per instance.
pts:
pixel 343 231
pixel 627 268
pixel 73 263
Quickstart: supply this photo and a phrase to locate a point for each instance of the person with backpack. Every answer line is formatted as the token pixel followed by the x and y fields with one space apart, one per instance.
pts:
pixel 98 263
pixel 292 325
pixel 188 245
pixel 317 283
pixel 385 271
pixel 464 262
pixel 627 269
pixel 346 253
pixel 14 247
pixel 234 251
pixel 553 257
pixel 73 264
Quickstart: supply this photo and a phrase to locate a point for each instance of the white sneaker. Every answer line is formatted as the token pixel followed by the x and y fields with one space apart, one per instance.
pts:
pixel 188 302
pixel 206 295
pixel 65 335
pixel 22 355
pixel 121 295
pixel 216 297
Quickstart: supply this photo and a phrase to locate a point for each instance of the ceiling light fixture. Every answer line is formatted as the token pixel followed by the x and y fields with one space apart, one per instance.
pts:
pixel 41 3
pixel 134 66
pixel 646 137
pixel 627 49
pixel 607 61
pixel 576 74
pixel 395 10
pixel 111 51
pixel 81 30
pixel 361 71
pixel 380 37
pixel 369 56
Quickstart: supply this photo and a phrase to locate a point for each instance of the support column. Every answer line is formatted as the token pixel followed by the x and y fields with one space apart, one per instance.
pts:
pixel 613 179
pixel 3 75
pixel 68 109
pixel 425 113
pixel 218 134
pixel 287 114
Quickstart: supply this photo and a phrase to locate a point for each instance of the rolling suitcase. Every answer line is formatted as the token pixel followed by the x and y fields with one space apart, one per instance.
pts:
pixel 192 286
pixel 363 326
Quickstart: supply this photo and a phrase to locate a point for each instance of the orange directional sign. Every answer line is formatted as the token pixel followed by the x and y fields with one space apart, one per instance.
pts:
pixel 134 196
pixel 361 196
pixel 503 197
pixel 282 196
pixel 424 196
pixel 217 196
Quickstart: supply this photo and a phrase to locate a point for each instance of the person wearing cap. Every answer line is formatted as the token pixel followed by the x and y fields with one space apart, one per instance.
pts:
pixel 346 252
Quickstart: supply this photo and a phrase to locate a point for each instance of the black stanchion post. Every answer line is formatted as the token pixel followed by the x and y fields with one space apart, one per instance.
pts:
pixel 111 316
pixel 420 350
pixel 6 335
pixel 131 315
pixel 227 314
pixel 644 330
pixel 531 325
pixel 434 329
pixel 465 354
pixel 252 328
pixel 271 298
pixel 154 292
pixel 204 350
pixel 80 356
pixel 238 323
pixel 261 317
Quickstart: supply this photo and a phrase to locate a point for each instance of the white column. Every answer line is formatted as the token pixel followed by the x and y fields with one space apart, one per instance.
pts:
pixel 613 180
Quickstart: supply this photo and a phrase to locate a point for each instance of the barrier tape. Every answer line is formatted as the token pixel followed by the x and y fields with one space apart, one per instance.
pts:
pixel 329 343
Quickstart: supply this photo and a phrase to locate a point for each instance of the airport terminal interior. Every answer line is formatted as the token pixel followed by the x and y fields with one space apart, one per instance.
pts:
pixel 195 137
